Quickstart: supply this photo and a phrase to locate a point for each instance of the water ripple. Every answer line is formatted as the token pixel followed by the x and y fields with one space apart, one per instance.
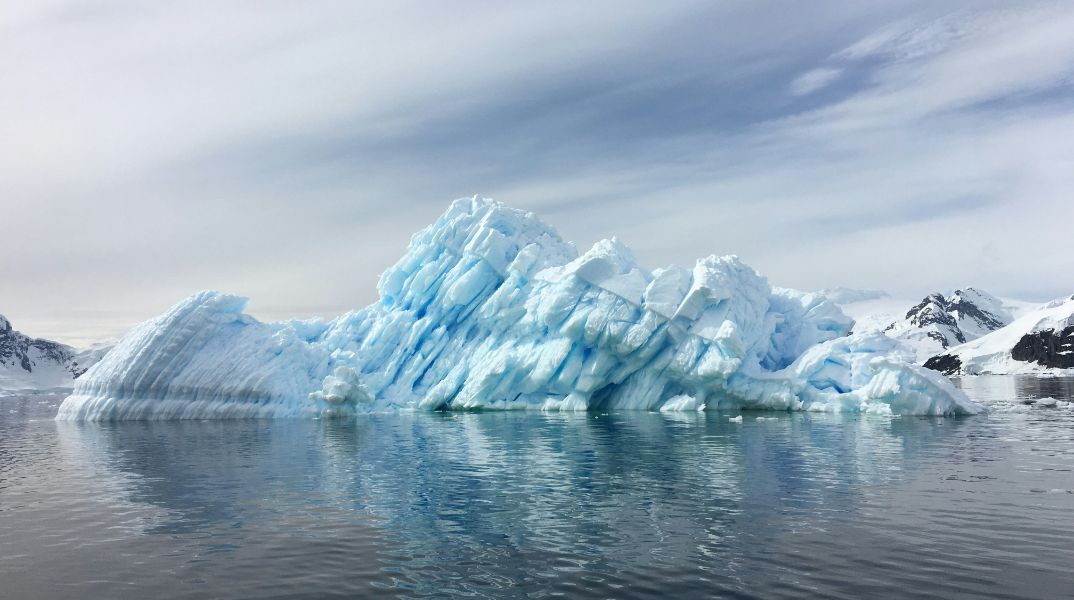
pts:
pixel 489 505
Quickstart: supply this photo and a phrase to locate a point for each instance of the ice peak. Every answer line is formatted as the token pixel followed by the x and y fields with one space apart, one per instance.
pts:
pixel 477 236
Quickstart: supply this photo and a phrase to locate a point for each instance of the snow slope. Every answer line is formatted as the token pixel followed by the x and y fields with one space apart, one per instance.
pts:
pixel 871 313
pixel 1040 341
pixel 33 364
pixel 490 309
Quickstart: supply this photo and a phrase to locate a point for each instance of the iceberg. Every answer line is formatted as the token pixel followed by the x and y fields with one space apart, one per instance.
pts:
pixel 490 309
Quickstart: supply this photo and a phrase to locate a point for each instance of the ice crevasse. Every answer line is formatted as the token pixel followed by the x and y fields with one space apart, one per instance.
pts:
pixel 490 309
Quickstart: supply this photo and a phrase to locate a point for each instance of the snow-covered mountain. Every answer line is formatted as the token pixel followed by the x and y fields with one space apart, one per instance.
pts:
pixel 1041 340
pixel 941 321
pixel 31 363
pixel 930 326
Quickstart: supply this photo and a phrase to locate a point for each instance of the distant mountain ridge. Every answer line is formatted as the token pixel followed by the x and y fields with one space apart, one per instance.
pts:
pixel 936 323
pixel 940 321
pixel 33 363
pixel 1039 341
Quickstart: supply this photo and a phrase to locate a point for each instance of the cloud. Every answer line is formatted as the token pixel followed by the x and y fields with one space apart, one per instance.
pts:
pixel 813 80
pixel 288 152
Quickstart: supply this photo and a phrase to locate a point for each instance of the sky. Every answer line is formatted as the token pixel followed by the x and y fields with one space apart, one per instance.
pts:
pixel 286 151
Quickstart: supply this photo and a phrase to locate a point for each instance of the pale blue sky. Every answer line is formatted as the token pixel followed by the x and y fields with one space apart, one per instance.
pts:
pixel 286 151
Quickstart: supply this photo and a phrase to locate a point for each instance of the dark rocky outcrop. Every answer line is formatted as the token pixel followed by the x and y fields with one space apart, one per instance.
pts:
pixel 948 364
pixel 935 310
pixel 1049 348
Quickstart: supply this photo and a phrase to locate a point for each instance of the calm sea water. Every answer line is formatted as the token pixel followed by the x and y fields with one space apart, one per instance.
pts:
pixel 536 505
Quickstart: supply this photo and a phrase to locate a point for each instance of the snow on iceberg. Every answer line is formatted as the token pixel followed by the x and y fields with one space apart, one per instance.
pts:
pixel 491 309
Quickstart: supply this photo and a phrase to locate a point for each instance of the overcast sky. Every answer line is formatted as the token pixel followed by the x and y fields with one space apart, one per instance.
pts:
pixel 287 150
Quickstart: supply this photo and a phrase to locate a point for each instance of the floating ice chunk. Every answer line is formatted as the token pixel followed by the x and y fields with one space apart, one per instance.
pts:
pixel 343 390
pixel 682 403
pixel 737 419
pixel 868 373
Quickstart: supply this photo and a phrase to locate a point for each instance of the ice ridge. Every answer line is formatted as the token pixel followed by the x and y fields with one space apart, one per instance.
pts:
pixel 490 309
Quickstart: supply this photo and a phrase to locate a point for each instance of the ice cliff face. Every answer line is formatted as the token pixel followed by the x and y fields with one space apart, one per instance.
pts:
pixel 490 309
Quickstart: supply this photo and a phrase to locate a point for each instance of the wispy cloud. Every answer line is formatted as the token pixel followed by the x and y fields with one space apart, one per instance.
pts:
pixel 813 80
pixel 287 152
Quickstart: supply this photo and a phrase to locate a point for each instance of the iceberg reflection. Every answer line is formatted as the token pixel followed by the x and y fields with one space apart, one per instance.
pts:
pixel 426 502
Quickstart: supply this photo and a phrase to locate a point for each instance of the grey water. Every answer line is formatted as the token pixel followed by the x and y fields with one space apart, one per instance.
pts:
pixel 488 505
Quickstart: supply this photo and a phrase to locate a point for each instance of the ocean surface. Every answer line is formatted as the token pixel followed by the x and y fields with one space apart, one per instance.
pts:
pixel 593 505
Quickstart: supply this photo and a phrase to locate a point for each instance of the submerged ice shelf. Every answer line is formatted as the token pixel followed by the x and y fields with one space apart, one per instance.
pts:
pixel 490 308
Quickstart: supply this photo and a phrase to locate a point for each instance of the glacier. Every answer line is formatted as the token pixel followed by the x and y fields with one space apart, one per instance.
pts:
pixel 490 308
